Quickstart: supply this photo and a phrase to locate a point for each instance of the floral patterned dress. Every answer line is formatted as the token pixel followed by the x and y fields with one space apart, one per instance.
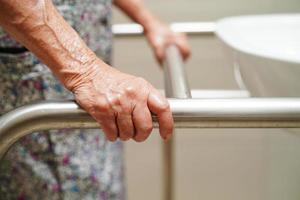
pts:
pixel 58 164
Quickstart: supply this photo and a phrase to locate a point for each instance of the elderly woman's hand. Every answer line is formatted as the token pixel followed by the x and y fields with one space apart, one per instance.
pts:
pixel 160 36
pixel 122 104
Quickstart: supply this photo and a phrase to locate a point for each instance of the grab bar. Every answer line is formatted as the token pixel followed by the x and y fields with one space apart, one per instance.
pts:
pixel 176 82
pixel 176 86
pixel 191 28
pixel 187 113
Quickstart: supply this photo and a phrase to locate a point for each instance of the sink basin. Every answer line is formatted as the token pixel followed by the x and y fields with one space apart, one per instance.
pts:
pixel 265 52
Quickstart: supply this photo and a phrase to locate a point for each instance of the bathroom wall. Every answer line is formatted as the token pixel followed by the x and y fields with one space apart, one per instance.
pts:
pixel 210 164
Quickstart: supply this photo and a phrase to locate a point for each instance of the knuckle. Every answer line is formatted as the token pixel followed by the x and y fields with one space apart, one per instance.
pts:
pixel 165 107
pixel 130 91
pixel 114 99
pixel 104 107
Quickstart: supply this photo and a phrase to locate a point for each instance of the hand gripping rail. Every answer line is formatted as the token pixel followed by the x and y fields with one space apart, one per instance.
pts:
pixel 188 113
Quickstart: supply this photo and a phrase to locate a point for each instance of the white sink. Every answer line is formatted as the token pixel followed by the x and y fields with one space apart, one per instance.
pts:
pixel 265 51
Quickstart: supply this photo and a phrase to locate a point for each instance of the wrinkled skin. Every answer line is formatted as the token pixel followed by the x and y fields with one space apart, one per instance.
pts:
pixel 123 104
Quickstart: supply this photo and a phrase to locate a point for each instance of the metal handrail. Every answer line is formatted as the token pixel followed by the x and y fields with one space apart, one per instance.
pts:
pixel 191 28
pixel 187 113
pixel 176 86
pixel 176 82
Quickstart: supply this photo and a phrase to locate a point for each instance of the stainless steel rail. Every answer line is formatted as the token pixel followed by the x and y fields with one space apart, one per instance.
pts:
pixel 188 113
pixel 190 28
pixel 219 94
pixel 176 82
pixel 176 86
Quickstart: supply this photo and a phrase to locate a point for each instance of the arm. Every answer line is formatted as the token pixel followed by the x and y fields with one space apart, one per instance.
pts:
pixel 121 103
pixel 158 34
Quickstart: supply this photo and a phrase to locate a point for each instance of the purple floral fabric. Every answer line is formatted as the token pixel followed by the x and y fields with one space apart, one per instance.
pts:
pixel 59 164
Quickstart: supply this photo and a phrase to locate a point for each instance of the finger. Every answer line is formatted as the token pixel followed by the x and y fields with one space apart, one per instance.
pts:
pixel 159 51
pixel 125 126
pixel 183 46
pixel 109 128
pixel 142 122
pixel 160 106
pixel 159 45
pixel 105 116
pixel 121 107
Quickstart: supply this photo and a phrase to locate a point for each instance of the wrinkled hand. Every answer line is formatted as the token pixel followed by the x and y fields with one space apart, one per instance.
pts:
pixel 160 36
pixel 122 104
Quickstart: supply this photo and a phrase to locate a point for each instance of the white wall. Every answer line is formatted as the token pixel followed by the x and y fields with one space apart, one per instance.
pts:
pixel 210 164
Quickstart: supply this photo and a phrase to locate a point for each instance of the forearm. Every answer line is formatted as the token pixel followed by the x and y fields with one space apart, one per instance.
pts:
pixel 38 26
pixel 137 11
pixel 122 104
